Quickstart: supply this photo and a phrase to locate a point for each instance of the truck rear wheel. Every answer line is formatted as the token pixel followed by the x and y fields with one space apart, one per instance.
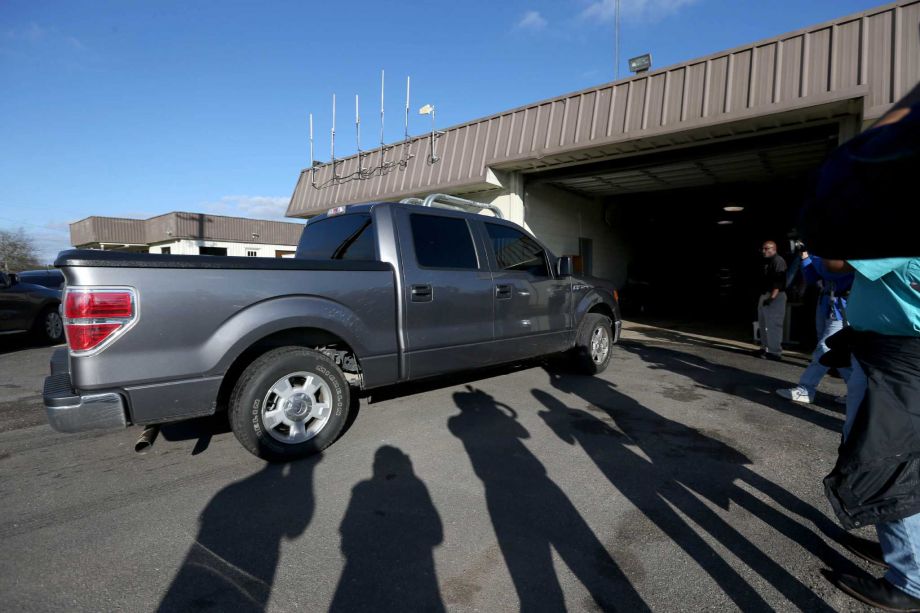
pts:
pixel 593 344
pixel 289 403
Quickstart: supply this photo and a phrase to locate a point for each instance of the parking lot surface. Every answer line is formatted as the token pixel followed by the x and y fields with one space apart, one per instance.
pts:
pixel 675 481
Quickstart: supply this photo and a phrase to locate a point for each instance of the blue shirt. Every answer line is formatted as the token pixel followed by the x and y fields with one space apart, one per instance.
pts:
pixel 836 284
pixel 886 296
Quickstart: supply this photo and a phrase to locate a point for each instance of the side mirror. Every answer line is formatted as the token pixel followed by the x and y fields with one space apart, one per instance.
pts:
pixel 564 266
pixel 14 278
pixel 4 282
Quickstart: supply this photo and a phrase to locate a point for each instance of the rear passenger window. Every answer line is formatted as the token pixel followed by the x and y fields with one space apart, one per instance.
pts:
pixel 514 250
pixel 442 242
pixel 350 237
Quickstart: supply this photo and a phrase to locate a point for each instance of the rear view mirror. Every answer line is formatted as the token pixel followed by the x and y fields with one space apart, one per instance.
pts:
pixel 564 266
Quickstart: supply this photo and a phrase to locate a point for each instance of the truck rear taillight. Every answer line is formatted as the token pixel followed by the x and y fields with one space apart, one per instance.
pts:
pixel 94 317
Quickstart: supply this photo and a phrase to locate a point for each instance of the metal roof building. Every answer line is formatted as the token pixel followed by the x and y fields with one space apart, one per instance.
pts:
pixel 699 161
pixel 848 71
pixel 185 233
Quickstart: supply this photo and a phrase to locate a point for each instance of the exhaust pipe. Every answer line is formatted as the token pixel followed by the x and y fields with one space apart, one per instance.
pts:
pixel 145 442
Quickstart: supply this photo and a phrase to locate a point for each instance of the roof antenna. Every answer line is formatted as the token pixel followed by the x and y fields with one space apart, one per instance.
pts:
pixel 361 154
pixel 332 145
pixel 312 161
pixel 406 149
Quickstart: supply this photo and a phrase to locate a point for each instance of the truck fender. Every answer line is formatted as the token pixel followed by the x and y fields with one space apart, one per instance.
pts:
pixel 248 326
pixel 592 299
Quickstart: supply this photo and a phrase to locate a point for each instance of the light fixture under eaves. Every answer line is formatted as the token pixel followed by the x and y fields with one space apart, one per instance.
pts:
pixel 732 208
pixel 725 222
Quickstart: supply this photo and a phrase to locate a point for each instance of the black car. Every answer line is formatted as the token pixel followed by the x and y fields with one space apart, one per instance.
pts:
pixel 28 307
pixel 53 278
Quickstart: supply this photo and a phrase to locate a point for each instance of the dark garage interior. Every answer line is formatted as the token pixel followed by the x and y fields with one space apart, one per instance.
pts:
pixel 692 222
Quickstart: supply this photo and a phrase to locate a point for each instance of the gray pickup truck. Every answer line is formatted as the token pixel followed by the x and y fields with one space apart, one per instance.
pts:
pixel 377 294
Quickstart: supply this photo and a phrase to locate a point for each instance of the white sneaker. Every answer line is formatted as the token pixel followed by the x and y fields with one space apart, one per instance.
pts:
pixel 796 394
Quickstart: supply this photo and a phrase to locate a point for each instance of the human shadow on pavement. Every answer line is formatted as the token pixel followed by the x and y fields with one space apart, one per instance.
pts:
pixel 660 465
pixel 531 514
pixel 231 565
pixel 675 336
pixel 388 536
pixel 756 387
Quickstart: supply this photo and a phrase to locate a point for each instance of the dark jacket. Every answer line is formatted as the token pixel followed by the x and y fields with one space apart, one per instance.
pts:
pixel 773 274
pixel 877 476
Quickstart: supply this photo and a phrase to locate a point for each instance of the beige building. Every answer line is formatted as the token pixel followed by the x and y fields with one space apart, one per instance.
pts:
pixel 188 234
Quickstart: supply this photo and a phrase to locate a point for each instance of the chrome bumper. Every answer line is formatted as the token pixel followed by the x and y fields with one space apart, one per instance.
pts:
pixel 617 326
pixel 69 411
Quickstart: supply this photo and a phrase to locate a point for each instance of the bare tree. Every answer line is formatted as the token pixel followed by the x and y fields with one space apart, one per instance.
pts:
pixel 17 251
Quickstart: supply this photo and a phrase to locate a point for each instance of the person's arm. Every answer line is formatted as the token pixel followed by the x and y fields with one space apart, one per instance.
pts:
pixel 809 268
pixel 838 266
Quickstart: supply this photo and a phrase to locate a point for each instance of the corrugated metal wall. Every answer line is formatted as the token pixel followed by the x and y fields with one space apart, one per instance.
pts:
pixel 877 51
pixel 108 230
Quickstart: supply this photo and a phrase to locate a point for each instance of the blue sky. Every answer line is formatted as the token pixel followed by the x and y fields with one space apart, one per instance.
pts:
pixel 132 109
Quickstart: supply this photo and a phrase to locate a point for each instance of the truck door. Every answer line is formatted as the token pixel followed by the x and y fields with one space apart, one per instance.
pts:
pixel 447 289
pixel 533 309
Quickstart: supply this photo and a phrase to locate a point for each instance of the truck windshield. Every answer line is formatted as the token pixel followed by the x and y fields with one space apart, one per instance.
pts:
pixel 349 237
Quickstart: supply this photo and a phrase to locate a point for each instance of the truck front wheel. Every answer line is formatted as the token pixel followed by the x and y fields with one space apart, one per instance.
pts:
pixel 593 344
pixel 289 403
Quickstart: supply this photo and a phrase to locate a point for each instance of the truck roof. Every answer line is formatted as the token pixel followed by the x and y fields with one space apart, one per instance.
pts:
pixel 368 206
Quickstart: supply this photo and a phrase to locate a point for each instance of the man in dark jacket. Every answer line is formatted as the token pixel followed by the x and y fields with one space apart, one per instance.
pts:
pixel 771 304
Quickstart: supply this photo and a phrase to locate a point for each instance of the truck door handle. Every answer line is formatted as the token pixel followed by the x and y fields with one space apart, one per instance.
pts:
pixel 421 293
pixel 503 292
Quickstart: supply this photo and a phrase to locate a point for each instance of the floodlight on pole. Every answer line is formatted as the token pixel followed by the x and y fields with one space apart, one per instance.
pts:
pixel 428 109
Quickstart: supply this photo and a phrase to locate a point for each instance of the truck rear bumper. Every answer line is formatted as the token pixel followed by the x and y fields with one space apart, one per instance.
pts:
pixel 69 411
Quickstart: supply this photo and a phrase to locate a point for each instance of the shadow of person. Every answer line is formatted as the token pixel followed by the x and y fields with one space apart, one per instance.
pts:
pixel 647 488
pixel 231 565
pixel 684 465
pixel 388 535
pixel 753 386
pixel 531 514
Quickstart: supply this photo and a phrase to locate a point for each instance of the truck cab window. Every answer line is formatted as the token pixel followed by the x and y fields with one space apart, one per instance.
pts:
pixel 514 250
pixel 442 242
pixel 349 237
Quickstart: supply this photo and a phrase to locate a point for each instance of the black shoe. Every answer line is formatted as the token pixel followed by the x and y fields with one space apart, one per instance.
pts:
pixel 766 355
pixel 758 353
pixel 870 551
pixel 876 592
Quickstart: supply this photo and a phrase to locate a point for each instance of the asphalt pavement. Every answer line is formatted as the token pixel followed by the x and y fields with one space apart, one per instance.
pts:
pixel 675 481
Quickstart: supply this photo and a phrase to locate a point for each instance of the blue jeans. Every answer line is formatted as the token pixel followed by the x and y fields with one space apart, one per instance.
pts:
pixel 826 326
pixel 900 540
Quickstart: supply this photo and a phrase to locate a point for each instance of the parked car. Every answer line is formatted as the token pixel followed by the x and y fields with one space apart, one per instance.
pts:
pixel 377 294
pixel 53 279
pixel 27 307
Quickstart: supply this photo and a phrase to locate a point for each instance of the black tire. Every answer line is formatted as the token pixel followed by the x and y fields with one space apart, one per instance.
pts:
pixel 254 396
pixel 586 361
pixel 48 327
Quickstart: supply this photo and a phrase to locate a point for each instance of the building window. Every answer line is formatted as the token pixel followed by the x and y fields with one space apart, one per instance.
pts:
pixel 251 254
pixel 166 250
pixel 212 251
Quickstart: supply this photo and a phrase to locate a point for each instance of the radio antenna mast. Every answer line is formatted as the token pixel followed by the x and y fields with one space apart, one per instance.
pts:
pixel 312 163
pixel 332 145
